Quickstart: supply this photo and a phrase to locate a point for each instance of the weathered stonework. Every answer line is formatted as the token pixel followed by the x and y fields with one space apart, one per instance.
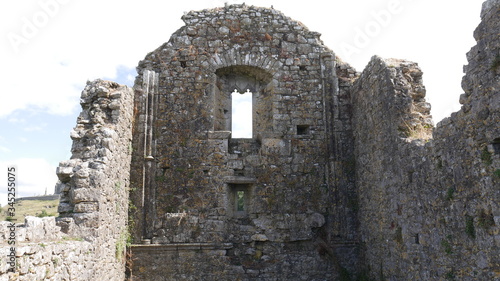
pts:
pixel 90 238
pixel 344 176
pixel 429 208
pixel 187 169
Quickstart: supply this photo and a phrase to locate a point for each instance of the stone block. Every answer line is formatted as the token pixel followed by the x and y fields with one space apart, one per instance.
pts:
pixel 84 195
pixel 64 173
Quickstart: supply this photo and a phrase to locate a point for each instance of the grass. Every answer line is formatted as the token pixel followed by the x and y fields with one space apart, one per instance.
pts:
pixel 423 132
pixel 123 241
pixel 38 208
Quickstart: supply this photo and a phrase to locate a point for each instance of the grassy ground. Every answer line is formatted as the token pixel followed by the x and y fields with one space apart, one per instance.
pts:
pixel 38 208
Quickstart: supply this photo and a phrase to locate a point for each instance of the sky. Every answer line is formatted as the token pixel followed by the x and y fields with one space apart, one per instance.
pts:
pixel 50 48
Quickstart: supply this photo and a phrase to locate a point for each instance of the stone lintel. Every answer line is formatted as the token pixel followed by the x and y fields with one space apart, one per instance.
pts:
pixel 239 179
pixel 219 134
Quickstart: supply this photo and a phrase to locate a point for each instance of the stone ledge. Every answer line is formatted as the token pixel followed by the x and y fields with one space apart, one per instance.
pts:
pixel 239 180
pixel 219 134
pixel 181 247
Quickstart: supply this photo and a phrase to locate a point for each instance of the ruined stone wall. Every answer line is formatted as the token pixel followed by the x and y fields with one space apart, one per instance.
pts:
pixel 188 169
pixel 89 240
pixel 43 252
pixel 429 207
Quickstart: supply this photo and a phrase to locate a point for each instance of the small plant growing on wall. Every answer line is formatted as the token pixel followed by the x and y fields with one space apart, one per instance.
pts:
pixel 469 227
pixel 450 275
pixel 496 63
pixel 486 156
pixel 485 220
pixel 449 193
pixel 497 173
pixel 445 243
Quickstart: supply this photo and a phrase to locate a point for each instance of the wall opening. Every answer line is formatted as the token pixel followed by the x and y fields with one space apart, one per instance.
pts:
pixel 243 101
pixel 239 199
pixel 496 146
pixel 302 130
pixel 241 114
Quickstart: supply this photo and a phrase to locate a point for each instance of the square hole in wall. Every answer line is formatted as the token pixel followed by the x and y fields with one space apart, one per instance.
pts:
pixel 302 130
pixel 496 146
pixel 240 203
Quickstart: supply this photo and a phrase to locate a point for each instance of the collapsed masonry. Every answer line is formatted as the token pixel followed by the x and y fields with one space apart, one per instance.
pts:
pixel 341 177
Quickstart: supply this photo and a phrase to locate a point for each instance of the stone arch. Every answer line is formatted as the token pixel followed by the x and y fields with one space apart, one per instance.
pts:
pixel 235 58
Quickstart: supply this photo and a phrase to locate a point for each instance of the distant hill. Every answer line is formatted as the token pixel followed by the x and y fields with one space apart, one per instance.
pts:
pixel 41 206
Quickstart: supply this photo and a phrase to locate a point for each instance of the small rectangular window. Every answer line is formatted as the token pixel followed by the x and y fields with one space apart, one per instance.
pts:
pixel 496 146
pixel 239 199
pixel 302 130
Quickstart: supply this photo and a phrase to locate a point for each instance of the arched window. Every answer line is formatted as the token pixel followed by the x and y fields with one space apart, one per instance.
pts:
pixel 242 101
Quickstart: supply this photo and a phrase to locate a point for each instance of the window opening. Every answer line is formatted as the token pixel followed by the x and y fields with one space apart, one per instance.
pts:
pixel 496 146
pixel 241 114
pixel 302 130
pixel 240 201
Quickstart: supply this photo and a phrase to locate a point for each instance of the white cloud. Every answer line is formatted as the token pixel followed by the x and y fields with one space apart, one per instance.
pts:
pixel 34 176
pixel 50 69
pixel 37 128
pixel 52 64
pixel 4 149
pixel 16 120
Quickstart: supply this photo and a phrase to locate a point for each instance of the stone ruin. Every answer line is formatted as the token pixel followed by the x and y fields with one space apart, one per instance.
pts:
pixel 342 176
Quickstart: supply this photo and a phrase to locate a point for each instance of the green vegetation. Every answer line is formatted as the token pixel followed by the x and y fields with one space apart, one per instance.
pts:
pixel 68 238
pixel 37 208
pixel 45 214
pixel 485 220
pixel 486 156
pixel 450 275
pixel 118 186
pixel 123 241
pixel 445 243
pixel 496 62
pixel 439 164
pixel 160 178
pixel 344 274
pixel 449 193
pixel 469 227
pixel 497 173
